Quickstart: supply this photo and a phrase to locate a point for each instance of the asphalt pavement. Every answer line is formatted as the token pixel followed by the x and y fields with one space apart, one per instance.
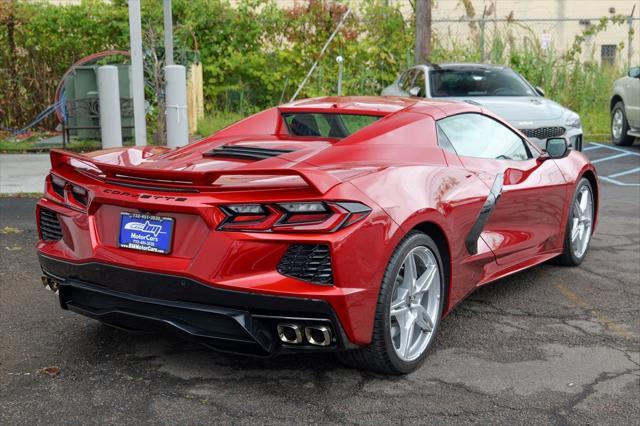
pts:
pixel 551 345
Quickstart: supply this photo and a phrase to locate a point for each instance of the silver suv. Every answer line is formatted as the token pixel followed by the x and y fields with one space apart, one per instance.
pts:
pixel 625 108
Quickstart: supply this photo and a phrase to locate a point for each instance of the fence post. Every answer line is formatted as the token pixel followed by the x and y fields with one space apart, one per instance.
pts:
pixel 137 73
pixel 482 53
pixel 109 98
pixel 340 61
pixel 630 41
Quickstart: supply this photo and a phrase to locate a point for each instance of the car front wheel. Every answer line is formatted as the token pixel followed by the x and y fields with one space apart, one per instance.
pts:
pixel 579 225
pixel 620 126
pixel 408 312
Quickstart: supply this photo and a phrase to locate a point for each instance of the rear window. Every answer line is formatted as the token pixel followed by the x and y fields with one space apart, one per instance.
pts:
pixel 326 125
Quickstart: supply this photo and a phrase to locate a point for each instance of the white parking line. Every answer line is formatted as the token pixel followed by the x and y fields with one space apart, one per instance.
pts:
pixel 617 182
pixel 613 157
pixel 614 148
pixel 626 172
pixel 621 153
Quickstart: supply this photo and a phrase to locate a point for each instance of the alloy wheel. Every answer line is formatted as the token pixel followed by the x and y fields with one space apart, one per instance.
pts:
pixel 617 124
pixel 582 221
pixel 415 304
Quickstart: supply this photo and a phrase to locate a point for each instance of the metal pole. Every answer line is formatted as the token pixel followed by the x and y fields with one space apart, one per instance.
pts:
pixel 482 33
pixel 109 93
pixel 630 41
pixel 137 73
pixel 340 61
pixel 482 52
pixel 168 33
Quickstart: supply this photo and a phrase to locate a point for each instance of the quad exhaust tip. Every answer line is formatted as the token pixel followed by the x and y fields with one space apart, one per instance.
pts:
pixel 290 333
pixel 316 335
pixel 50 284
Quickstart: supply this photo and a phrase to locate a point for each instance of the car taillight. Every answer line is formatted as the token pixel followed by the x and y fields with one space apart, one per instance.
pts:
pixel 57 185
pixel 314 216
pixel 70 193
pixel 80 195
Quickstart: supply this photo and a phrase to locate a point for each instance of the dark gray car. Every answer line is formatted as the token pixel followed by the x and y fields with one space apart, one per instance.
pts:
pixel 499 89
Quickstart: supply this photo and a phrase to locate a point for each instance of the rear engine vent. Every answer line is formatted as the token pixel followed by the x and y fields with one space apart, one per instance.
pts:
pixel 544 132
pixel 307 262
pixel 50 225
pixel 248 152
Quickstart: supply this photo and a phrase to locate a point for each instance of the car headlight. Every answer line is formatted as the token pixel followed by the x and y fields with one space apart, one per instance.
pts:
pixel 573 120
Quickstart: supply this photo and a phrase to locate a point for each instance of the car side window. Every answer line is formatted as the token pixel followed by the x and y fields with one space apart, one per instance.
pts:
pixel 420 82
pixel 407 79
pixel 476 135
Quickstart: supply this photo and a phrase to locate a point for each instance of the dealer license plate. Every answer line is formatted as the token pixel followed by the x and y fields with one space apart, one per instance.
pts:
pixel 146 232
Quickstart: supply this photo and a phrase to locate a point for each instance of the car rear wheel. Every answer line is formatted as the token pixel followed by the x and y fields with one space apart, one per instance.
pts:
pixel 579 226
pixel 620 126
pixel 409 309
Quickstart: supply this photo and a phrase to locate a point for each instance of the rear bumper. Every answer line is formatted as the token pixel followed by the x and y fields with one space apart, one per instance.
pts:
pixel 226 320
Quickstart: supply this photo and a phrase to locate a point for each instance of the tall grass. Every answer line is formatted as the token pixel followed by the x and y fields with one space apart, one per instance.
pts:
pixel 216 121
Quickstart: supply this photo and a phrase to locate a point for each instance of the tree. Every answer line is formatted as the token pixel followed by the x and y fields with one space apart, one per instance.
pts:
pixel 423 31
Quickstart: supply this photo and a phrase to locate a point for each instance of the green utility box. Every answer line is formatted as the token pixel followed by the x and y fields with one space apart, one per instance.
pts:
pixel 83 106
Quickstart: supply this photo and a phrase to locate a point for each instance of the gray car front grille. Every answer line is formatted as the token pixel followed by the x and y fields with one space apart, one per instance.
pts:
pixel 544 132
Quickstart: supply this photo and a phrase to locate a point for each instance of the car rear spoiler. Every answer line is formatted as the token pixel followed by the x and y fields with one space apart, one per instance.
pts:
pixel 317 179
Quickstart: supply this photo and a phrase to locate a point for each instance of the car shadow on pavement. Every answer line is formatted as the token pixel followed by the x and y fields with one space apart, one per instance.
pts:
pixel 173 355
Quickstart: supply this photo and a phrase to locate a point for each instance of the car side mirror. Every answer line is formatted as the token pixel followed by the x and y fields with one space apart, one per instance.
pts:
pixel 557 147
pixel 539 91
pixel 415 91
pixel 634 72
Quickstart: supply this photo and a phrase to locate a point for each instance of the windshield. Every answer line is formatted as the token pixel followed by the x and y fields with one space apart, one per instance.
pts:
pixel 326 125
pixel 477 82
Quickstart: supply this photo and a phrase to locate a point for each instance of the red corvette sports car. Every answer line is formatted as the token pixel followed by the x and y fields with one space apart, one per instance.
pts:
pixel 334 224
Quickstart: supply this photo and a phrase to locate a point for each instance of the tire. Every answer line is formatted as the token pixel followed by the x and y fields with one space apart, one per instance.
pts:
pixel 383 355
pixel 620 126
pixel 573 254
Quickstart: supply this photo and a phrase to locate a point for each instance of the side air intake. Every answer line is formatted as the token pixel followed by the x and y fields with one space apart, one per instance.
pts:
pixel 245 152
pixel 307 262
pixel 50 225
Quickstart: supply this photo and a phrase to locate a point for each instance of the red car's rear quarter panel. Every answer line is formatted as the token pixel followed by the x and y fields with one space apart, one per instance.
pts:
pixel 451 201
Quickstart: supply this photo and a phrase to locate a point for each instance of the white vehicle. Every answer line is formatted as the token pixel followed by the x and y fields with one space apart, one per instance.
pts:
pixel 625 108
pixel 501 90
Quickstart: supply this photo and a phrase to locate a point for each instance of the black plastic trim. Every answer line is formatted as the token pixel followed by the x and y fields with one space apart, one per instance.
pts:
pixel 139 300
pixel 250 152
pixel 471 242
pixel 50 228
